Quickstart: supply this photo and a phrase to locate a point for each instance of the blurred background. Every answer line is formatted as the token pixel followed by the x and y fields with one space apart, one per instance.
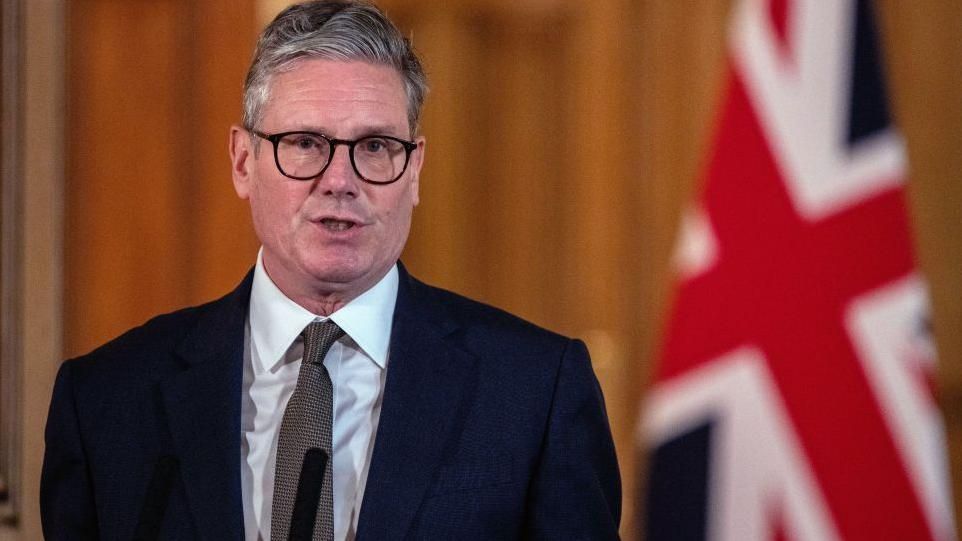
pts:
pixel 563 140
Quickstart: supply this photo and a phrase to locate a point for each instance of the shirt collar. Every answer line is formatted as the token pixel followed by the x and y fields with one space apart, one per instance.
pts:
pixel 276 321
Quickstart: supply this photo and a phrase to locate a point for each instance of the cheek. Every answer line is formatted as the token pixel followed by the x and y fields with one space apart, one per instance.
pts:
pixel 261 203
pixel 397 211
pixel 274 209
pixel 399 217
pixel 277 200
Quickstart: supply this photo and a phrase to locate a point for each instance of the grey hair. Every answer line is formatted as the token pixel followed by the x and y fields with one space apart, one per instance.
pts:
pixel 343 30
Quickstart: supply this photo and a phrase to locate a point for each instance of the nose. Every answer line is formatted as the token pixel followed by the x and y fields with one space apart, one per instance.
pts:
pixel 339 179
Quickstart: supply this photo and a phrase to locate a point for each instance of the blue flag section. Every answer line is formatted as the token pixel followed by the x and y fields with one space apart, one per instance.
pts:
pixel 677 502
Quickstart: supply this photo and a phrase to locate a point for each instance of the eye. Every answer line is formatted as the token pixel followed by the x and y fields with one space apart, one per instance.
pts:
pixel 373 145
pixel 304 142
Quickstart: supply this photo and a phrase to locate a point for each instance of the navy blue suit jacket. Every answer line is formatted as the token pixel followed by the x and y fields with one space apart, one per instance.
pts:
pixel 491 428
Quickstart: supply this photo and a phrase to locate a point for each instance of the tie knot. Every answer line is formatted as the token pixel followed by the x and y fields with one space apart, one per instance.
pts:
pixel 319 336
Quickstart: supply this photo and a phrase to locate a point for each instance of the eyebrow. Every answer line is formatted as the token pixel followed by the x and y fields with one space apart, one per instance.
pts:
pixel 393 131
pixel 367 131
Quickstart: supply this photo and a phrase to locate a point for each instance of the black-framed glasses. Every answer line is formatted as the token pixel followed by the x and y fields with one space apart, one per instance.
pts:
pixel 304 155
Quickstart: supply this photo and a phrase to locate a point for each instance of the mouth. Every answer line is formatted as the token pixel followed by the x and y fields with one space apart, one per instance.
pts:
pixel 335 225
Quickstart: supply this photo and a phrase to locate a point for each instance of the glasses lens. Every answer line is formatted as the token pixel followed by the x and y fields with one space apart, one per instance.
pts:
pixel 303 155
pixel 380 159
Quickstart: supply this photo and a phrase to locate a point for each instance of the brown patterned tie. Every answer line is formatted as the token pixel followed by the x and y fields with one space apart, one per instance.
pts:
pixel 305 428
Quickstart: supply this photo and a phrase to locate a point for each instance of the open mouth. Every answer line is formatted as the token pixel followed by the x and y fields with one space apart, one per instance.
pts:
pixel 336 225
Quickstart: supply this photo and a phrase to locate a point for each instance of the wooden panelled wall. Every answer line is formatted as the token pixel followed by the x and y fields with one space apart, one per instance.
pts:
pixel 563 138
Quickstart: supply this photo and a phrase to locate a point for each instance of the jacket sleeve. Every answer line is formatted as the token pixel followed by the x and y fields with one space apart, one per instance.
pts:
pixel 66 497
pixel 576 490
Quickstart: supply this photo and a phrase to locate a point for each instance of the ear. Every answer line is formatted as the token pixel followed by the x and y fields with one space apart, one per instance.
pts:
pixel 417 160
pixel 241 160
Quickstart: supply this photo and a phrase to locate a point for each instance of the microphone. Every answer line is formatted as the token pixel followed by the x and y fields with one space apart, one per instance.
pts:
pixel 155 503
pixel 308 495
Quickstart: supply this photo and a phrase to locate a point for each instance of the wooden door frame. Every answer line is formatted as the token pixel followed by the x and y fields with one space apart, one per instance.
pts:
pixel 32 231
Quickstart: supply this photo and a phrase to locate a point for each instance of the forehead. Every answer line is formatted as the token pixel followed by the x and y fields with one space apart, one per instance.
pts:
pixel 330 94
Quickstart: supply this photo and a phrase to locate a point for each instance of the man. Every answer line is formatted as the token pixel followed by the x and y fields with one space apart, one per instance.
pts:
pixel 331 395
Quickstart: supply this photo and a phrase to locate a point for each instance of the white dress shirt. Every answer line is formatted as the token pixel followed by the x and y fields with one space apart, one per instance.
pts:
pixel 272 358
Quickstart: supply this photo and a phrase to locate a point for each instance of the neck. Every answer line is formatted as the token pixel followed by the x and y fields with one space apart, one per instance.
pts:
pixel 321 307
pixel 321 299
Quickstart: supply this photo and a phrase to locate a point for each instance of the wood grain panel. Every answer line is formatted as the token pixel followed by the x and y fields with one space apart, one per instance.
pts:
pixel 125 197
pixel 445 240
pixel 221 244
pixel 151 220
pixel 924 55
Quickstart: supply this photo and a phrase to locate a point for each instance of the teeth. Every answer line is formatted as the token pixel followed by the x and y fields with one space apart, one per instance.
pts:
pixel 336 225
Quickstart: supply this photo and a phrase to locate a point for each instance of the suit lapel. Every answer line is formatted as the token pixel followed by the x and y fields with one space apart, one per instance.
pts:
pixel 428 385
pixel 202 404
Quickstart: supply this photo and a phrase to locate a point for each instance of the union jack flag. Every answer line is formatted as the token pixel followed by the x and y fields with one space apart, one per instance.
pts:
pixel 792 399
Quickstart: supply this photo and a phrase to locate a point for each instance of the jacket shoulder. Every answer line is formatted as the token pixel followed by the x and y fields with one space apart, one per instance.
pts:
pixel 135 353
pixel 154 342
pixel 490 326
pixel 163 331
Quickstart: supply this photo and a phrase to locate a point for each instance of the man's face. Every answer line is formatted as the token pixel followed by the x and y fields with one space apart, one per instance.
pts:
pixel 308 251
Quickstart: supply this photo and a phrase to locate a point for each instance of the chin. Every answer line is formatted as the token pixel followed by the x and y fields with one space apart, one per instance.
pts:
pixel 335 272
pixel 343 269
